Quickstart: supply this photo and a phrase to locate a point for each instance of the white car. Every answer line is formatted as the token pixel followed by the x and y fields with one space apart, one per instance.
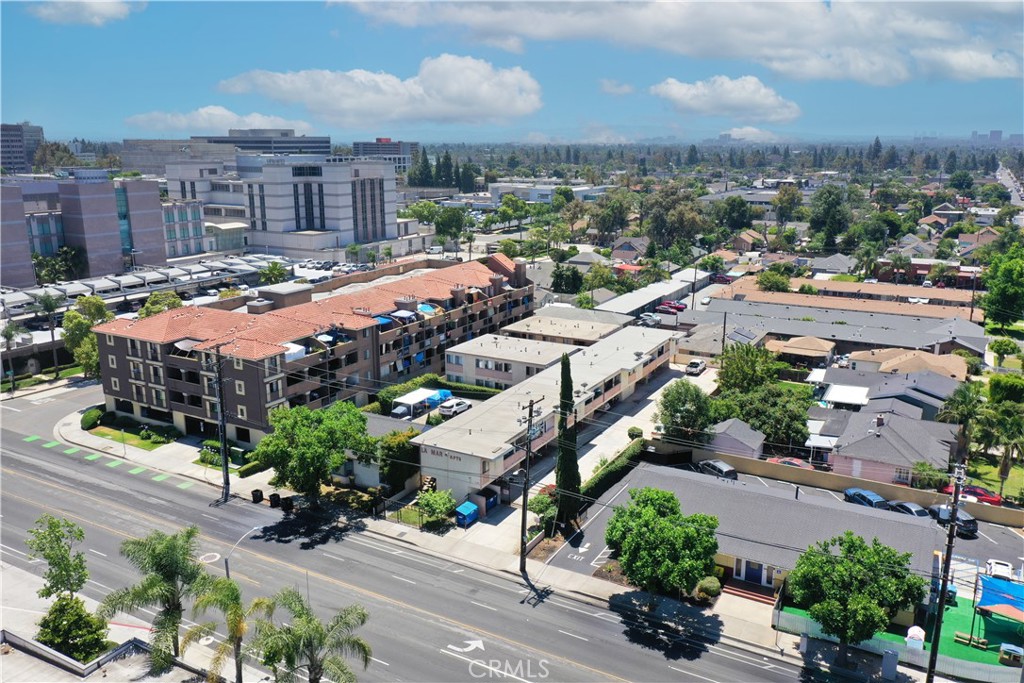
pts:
pixel 454 406
pixel 705 301
pixel 1000 569
pixel 695 367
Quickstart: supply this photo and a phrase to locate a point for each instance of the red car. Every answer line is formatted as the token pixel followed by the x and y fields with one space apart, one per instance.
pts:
pixel 792 462
pixel 982 494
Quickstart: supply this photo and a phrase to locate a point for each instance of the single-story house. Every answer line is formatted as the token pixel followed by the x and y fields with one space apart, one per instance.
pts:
pixel 885 446
pixel 805 351
pixel 747 240
pixel 736 437
pixel 986 235
pixel 629 249
pixel 836 264
pixel 894 360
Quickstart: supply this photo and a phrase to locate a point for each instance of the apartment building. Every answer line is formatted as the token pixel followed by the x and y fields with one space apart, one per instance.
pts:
pixel 343 347
pixel 475 449
pixel 295 205
pixel 499 362
pixel 568 325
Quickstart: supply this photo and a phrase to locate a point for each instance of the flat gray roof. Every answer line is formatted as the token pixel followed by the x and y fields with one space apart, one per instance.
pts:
pixel 680 284
pixel 564 328
pixel 513 349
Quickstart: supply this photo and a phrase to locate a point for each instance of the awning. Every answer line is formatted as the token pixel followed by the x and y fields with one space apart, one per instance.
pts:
pixel 325 338
pixel 40 291
pixel 819 441
pixel 74 289
pixel 381 320
pixel 846 395
pixel 151 276
pixel 16 299
pixel 242 268
pixel 186 344
pixel 128 280
pixel 101 284
pixel 403 314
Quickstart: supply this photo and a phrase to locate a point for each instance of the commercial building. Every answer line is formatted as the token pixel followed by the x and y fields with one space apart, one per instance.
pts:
pixel 283 352
pixel 500 362
pixel 294 205
pixel 475 449
pixel 18 144
pixel 396 152
pixel 153 156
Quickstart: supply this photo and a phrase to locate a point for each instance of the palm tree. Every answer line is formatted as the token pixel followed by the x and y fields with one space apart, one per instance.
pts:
pixel 469 238
pixel 388 254
pixel 899 264
pixel 867 258
pixel 273 274
pixel 49 305
pixel 224 595
pixel 171 576
pixel 307 643
pixel 9 333
pixel 963 407
pixel 1012 438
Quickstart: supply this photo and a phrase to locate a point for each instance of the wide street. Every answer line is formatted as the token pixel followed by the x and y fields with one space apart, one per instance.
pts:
pixel 431 619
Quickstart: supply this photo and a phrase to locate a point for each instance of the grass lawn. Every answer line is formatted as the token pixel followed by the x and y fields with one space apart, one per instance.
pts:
pixel 984 471
pixel 125 437
pixel 845 278
pixel 799 389
pixel 1015 331
pixel 408 515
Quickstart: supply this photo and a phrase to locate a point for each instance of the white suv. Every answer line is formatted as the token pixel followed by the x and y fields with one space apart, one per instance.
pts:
pixel 454 406
pixel 695 367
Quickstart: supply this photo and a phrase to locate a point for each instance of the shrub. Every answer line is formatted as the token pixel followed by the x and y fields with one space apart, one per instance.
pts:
pixel 807 289
pixel 145 434
pixel 209 457
pixel 125 422
pixel 1006 388
pixel 107 419
pixel 168 432
pixel 434 419
pixel 544 507
pixel 157 439
pixel 709 587
pixel 635 433
pixel 91 418
pixel 437 504
pixel 372 408
pixel 251 468
pixel 611 474
pixel 973 362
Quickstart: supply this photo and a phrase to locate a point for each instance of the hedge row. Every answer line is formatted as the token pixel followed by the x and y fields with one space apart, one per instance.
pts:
pixel 251 468
pixel 1006 388
pixel 372 408
pixel 610 475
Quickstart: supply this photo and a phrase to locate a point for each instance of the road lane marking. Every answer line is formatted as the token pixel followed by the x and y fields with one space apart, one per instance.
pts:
pixel 334 557
pixel 484 665
pixel 51 444
pixel 831 493
pixel 480 604
pixel 32 438
pixel 73 449
pixel 403 579
pixel 17 410
pixel 8 549
pixel 392 551
pixel 585 525
pixel 161 477
pixel 208 516
pixel 114 463
pixel 186 484
pixel 380 661
pixel 93 456
pixel 101 585
pixel 136 470
pixel 766 486
pixel 690 673
pixel 97 552
pixel 980 533
pixel 573 635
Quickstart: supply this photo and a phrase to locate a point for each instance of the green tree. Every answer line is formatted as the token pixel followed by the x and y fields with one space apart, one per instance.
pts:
pixel 663 551
pixel 513 209
pixel 961 181
pixel 962 408
pixel 388 254
pixel 69 629
pixel 10 332
pixel 566 193
pixel 1001 347
pixel 48 305
pixel 684 410
pixel 732 213
pixel 51 155
pixel 1011 437
pixel 585 301
pixel 785 202
pixel 468 238
pixel 397 457
pixel 437 504
pixel 566 279
pixel 770 281
pixel 830 214
pixel 1004 302
pixel 449 222
pixel 305 644
pixel 567 466
pixel 158 302
pixel 424 211
pixel 854 589
pixel 53 540
pixel 274 273
pixel 712 264
pixel 224 595
pixel 307 446
pixel 745 367
pixel 900 265
pixel 171 576
pixel 467 179
pixel 777 413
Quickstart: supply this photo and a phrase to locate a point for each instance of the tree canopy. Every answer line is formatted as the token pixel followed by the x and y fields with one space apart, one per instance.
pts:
pixel 1004 302
pixel 745 367
pixel 158 302
pixel 684 410
pixel 53 540
pixel 79 339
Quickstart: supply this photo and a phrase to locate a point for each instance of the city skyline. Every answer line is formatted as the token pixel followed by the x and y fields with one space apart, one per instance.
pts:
pixel 592 72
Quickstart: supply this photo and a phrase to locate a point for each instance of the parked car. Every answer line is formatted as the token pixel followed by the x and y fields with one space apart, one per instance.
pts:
pixel 999 569
pixel 866 498
pixel 454 406
pixel 676 306
pixel 184 296
pixel 718 468
pixel 665 309
pixel 792 462
pixel 905 508
pixel 705 301
pixel 982 494
pixel 966 524
pixel 695 367
pixel 722 280
pixel 651 316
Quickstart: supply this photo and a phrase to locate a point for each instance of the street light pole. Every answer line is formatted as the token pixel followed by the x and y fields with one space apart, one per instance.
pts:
pixel 227 568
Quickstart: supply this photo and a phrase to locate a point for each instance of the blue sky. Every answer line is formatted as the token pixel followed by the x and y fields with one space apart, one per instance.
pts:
pixel 514 71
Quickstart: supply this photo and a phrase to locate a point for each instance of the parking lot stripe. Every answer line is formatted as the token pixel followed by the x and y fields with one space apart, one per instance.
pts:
pixel 136 470
pixel 94 456
pixel 73 449
pixel 51 444
pixel 185 484
pixel 160 477
pixel 32 438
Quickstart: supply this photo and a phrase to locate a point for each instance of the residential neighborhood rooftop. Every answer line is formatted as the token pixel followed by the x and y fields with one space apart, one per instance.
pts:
pixel 509 348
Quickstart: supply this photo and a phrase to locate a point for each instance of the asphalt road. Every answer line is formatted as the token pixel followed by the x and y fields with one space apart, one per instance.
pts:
pixel 427 613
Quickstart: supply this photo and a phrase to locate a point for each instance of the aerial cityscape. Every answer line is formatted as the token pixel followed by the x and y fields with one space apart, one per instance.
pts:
pixel 518 341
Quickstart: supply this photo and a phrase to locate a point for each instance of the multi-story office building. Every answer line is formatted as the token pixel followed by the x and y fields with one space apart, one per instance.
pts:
pixel 18 144
pixel 184 231
pixel 395 152
pixel 115 224
pixel 344 347
pixel 294 205
pixel 153 156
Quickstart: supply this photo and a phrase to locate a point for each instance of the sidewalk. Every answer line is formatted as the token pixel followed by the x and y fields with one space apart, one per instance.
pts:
pixel 45 386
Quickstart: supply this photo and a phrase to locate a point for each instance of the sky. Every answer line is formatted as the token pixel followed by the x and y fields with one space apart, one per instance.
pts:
pixel 514 71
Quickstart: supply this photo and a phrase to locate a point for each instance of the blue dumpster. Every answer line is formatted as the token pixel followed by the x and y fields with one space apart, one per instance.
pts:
pixel 466 514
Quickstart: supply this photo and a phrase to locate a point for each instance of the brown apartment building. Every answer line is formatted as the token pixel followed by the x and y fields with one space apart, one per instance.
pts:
pixel 345 347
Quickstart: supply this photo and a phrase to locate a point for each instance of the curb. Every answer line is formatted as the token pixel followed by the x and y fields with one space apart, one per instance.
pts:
pixel 40 388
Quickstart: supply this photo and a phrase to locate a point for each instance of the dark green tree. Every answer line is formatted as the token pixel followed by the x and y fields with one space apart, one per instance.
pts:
pixel 79 339
pixel 48 304
pixel 69 629
pixel 567 467
pixel 445 171
pixel 770 281
pixel 566 279
pixel 1004 302
pixel 830 214
pixel 745 367
pixel 685 411
pixel 450 222
pixel 274 273
pixel 853 589
pixel 158 302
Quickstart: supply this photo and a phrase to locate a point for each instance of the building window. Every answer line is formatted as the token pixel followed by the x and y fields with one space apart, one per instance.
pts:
pixel 172 250
pixel 115 384
pixel 112 361
pixel 185 249
pixel 156 375
pixel 242 434
pixel 197 231
pixel 196 214
pixel 238 363
pixel 240 388
pixel 170 234
pixel 168 216
pixel 182 215
pixel 110 340
pixel 242 414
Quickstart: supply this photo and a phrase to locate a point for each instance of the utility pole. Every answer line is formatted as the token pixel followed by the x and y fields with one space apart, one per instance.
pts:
pixel 725 316
pixel 958 479
pixel 974 283
pixel 222 427
pixel 526 484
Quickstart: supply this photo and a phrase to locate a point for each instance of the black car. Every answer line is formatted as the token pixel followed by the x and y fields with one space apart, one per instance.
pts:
pixel 905 508
pixel 966 525
pixel 184 296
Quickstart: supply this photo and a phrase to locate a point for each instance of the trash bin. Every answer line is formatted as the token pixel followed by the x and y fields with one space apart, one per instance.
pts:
pixel 803 643
pixel 257 495
pixel 287 504
pixel 890 659
pixel 275 500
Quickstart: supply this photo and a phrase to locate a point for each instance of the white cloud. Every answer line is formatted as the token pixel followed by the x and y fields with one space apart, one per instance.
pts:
pixel 611 87
pixel 211 119
pixel 880 43
pixel 90 12
pixel 751 134
pixel 745 98
pixel 447 89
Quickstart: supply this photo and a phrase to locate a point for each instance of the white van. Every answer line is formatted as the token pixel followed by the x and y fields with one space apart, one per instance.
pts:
pixel 436 249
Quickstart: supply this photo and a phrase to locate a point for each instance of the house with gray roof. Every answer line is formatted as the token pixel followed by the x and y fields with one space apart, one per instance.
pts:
pixel 736 437
pixel 836 264
pixel 885 446
pixel 763 531
pixel 857 389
